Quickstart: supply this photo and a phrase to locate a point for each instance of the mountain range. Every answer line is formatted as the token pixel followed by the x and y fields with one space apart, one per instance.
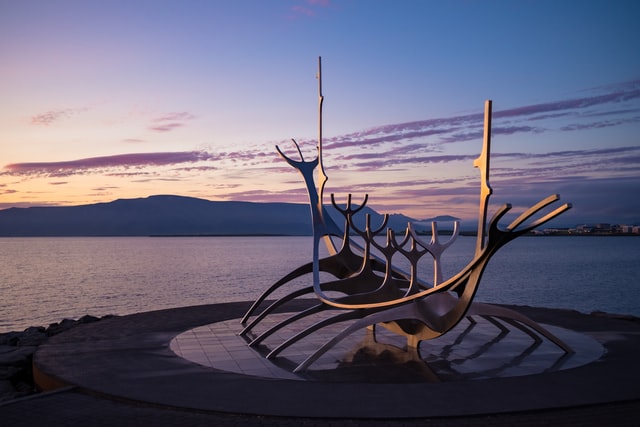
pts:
pixel 166 215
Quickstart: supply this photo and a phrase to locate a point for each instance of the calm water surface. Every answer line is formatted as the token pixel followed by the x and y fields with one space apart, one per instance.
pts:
pixel 47 279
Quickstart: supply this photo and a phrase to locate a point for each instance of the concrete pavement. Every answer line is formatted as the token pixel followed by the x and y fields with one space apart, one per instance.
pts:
pixel 122 370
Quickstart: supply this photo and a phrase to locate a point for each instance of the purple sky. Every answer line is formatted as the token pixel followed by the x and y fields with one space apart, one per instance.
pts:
pixel 191 99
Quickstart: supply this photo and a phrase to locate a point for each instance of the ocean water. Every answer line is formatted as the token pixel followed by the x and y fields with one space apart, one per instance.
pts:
pixel 45 280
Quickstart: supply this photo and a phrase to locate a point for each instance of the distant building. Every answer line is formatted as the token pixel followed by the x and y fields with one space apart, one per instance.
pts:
pixel 584 228
pixel 554 231
pixel 604 228
pixel 627 229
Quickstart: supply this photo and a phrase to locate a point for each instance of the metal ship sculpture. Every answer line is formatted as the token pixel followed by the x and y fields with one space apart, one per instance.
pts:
pixel 368 290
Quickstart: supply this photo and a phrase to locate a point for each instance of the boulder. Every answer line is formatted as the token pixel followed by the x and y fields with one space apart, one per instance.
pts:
pixel 33 336
pixel 10 338
pixel 8 372
pixel 7 390
pixel 12 356
pixel 16 355
pixel 64 325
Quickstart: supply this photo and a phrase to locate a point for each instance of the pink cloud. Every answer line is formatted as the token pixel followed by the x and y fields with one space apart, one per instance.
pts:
pixel 129 174
pixel 467 127
pixel 400 160
pixel 572 104
pixel 600 124
pixel 309 8
pixel 158 179
pixel 51 116
pixel 197 168
pixel 247 155
pixel 169 117
pixel 301 10
pixel 72 167
pixel 380 161
pixel 105 188
pixel 167 127
pixel 170 121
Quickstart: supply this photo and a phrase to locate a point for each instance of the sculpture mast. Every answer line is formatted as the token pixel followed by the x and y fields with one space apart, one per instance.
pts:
pixel 322 176
pixel 482 163
pixel 320 226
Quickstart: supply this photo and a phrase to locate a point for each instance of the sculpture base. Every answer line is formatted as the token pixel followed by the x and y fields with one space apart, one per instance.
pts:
pixel 129 359
pixel 476 349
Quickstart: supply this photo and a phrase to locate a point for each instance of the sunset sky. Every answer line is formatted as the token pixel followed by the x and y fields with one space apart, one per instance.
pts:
pixel 103 100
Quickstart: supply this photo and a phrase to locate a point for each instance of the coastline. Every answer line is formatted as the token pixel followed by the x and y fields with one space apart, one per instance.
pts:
pixel 16 355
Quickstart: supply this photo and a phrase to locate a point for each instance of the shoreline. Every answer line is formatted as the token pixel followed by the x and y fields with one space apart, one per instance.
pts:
pixel 420 233
pixel 16 355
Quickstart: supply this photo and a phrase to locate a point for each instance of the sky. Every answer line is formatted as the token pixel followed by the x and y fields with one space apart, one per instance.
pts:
pixel 106 100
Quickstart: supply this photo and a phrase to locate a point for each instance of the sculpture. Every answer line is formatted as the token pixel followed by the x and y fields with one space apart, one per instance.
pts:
pixel 372 291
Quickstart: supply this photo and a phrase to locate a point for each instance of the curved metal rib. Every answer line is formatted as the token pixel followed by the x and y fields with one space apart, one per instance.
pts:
pixel 496 239
pixel 343 316
pixel 341 264
pixel 518 320
pixel 308 312
pixel 273 306
pixel 303 269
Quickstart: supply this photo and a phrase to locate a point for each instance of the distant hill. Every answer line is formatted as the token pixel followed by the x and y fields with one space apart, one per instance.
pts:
pixel 169 216
pixel 441 218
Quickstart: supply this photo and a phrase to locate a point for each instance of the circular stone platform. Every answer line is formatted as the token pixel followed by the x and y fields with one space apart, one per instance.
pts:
pixel 476 349
pixel 130 358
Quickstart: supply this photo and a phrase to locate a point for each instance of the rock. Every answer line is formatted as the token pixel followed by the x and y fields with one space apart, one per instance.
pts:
pixel 15 356
pixel 8 372
pixel 88 319
pixel 24 388
pixel 33 330
pixel 628 317
pixel 6 387
pixel 10 338
pixel 64 325
pixel 33 336
pixel 6 349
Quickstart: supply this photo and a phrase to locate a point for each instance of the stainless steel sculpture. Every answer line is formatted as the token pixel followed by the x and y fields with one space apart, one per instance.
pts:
pixel 369 291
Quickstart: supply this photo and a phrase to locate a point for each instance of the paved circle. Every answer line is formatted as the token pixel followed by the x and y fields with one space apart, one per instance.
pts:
pixel 129 358
pixel 476 349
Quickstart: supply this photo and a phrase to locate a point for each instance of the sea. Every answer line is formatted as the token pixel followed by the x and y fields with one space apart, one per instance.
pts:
pixel 47 279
